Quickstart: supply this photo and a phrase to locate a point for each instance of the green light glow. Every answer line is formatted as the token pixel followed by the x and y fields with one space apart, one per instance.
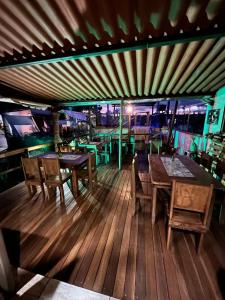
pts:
pixel 175 7
pixel 155 19
pixel 93 31
pixel 122 24
pixel 137 22
pixel 107 28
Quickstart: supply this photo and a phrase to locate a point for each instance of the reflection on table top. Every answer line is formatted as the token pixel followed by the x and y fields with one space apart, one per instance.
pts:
pixel 160 176
pixel 68 159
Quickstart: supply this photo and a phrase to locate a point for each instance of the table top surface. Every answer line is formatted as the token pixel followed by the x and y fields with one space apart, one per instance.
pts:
pixel 91 144
pixel 190 171
pixel 67 159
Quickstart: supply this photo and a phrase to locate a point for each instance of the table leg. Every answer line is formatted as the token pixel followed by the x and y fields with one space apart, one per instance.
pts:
pixel 154 199
pixel 75 182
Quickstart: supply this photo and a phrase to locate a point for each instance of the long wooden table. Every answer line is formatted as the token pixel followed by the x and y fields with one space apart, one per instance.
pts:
pixel 161 180
pixel 70 161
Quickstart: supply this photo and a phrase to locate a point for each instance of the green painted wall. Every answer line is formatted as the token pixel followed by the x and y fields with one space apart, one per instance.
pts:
pixel 219 104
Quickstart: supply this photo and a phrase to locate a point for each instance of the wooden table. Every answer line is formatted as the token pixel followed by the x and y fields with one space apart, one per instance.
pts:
pixel 161 180
pixel 70 161
pixel 94 146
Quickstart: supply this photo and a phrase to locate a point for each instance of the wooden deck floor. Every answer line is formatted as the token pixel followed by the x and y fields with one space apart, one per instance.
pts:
pixel 95 243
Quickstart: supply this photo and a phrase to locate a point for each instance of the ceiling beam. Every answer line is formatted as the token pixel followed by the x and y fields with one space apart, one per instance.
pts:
pixel 205 98
pixel 122 47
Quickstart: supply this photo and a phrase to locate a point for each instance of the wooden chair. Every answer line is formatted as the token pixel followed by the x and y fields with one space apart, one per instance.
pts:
pixel 90 172
pixel 54 177
pixel 139 189
pixel 65 148
pixel 220 194
pixel 189 208
pixel 32 174
pixel 206 161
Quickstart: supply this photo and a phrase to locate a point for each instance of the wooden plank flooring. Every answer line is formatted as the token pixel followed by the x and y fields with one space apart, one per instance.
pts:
pixel 95 243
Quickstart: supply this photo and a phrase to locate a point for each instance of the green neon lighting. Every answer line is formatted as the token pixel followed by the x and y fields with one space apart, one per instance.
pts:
pixel 122 24
pixel 81 35
pixel 155 19
pixel 175 8
pixel 107 28
pixel 93 31
pixel 137 22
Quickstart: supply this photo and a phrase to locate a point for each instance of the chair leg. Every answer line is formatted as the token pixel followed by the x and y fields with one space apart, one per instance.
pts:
pixel 30 190
pixel 90 184
pixel 200 242
pixel 169 232
pixel 62 199
pixel 43 191
pixel 71 181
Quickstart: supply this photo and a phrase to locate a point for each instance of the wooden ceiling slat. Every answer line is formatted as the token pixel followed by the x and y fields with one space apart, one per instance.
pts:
pixel 27 83
pixel 119 69
pixel 111 73
pixel 202 76
pixel 214 75
pixel 214 82
pixel 80 80
pixel 218 86
pixel 130 73
pixel 84 74
pixel 160 65
pixel 207 59
pixel 71 81
pixel 149 70
pixel 177 51
pixel 194 63
pixel 185 60
pixel 139 67
pixel 85 63
pixel 103 75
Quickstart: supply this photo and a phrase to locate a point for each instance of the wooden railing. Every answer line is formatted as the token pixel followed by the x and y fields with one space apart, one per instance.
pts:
pixel 25 150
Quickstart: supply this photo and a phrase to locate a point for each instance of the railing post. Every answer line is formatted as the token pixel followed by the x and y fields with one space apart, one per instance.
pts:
pixel 120 135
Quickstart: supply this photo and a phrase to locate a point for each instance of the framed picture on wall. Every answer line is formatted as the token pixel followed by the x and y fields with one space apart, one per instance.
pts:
pixel 213 116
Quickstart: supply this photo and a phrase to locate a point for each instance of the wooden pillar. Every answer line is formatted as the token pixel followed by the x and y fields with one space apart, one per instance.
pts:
pixel 135 120
pixel 57 139
pixel 120 135
pixel 172 122
pixel 167 111
pixel 7 276
pixel 89 121
pixel 129 124
pixel 148 118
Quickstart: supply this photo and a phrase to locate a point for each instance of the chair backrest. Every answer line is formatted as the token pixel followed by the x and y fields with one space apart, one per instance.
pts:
pixel 191 197
pixel 206 160
pixel 220 169
pixel 31 168
pixel 65 148
pixel 51 167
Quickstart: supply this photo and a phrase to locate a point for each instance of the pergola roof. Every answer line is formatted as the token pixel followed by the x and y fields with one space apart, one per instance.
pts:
pixel 63 50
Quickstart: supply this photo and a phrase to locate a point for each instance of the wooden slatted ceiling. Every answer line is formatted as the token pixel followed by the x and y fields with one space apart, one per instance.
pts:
pixel 48 25
pixel 181 69
pixel 94 242
pixel 41 29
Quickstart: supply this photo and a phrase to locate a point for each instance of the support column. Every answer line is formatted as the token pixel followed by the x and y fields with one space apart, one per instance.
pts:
pixel 57 139
pixel 172 122
pixel 120 135
pixel 7 274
